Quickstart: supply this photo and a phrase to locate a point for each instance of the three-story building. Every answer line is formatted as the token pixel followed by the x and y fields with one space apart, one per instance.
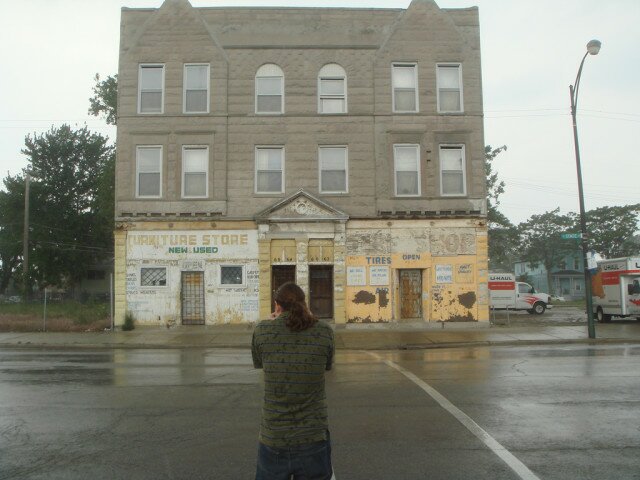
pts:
pixel 339 148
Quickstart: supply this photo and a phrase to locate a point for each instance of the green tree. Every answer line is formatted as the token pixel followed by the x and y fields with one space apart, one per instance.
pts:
pixel 541 242
pixel 68 231
pixel 11 225
pixel 611 230
pixel 503 235
pixel 105 99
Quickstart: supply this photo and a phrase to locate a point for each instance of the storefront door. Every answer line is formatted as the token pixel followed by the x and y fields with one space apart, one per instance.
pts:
pixel 281 274
pixel 192 298
pixel 411 294
pixel 321 290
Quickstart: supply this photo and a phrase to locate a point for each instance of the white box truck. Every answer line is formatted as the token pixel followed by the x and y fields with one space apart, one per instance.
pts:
pixel 615 288
pixel 505 293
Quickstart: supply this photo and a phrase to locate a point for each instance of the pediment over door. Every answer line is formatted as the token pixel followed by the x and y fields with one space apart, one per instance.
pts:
pixel 301 207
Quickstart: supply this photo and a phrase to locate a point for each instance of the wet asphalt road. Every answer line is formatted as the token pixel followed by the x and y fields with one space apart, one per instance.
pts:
pixel 565 412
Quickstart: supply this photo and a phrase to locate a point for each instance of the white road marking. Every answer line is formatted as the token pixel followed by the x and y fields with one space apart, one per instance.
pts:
pixel 507 457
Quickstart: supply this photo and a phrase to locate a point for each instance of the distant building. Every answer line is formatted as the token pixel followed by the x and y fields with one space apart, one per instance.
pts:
pixel 339 148
pixel 567 278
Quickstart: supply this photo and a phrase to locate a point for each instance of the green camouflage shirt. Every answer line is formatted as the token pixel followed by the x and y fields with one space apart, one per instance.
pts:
pixel 294 410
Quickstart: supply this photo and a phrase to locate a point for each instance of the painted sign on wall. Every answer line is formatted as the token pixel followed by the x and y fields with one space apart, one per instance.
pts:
pixel 378 275
pixel 356 276
pixel 444 274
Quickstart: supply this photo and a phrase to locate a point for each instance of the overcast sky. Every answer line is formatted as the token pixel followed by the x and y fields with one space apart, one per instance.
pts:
pixel 51 49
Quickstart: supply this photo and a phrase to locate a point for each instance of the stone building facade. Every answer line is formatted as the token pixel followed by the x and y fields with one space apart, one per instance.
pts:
pixel 340 148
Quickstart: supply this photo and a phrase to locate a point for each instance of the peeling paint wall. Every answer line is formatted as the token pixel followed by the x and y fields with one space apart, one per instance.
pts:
pixel 174 252
pixel 450 254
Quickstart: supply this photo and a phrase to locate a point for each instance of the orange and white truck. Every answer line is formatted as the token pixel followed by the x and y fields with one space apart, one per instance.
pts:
pixel 615 288
pixel 507 294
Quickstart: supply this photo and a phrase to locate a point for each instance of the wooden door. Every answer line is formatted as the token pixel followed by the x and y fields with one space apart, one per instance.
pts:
pixel 321 290
pixel 410 294
pixel 192 298
pixel 281 274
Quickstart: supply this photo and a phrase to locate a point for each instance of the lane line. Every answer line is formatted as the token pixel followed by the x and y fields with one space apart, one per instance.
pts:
pixel 505 455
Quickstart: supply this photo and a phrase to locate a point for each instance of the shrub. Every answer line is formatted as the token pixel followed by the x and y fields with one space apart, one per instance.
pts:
pixel 129 321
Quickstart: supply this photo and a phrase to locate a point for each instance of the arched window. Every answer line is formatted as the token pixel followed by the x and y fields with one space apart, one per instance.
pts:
pixel 269 89
pixel 332 89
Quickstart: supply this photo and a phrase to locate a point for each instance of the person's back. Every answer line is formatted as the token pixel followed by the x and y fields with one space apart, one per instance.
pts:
pixel 294 350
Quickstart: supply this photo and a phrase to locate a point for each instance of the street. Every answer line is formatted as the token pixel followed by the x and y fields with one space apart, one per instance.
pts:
pixel 548 412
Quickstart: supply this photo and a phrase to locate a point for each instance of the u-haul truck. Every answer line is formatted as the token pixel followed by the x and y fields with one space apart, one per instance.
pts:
pixel 505 293
pixel 615 288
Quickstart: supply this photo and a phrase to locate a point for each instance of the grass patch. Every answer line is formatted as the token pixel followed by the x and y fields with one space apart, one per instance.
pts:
pixel 61 317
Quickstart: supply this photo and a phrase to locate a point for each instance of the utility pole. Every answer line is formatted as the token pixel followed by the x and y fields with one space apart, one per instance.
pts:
pixel 25 239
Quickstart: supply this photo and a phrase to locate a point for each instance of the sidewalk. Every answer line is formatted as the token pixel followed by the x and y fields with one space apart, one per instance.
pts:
pixel 350 337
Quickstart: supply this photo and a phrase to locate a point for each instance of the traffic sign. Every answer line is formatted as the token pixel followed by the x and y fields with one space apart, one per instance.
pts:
pixel 567 236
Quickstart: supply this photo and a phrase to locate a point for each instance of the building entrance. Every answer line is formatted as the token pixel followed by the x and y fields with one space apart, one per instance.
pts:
pixel 321 290
pixel 411 294
pixel 192 298
pixel 281 274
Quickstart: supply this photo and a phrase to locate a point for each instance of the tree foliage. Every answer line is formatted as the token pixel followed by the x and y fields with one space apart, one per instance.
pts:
pixel 70 172
pixel 11 226
pixel 104 102
pixel 541 239
pixel 503 235
pixel 611 230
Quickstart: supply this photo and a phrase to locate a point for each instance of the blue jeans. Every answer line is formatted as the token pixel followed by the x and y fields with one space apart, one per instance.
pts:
pixel 305 462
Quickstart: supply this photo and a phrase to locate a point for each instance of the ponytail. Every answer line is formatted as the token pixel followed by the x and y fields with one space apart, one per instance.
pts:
pixel 291 298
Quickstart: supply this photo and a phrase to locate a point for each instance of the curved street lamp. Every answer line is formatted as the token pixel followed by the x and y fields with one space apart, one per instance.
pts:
pixel 593 47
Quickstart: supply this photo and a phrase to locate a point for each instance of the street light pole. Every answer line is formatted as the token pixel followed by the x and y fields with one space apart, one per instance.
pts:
pixel 593 47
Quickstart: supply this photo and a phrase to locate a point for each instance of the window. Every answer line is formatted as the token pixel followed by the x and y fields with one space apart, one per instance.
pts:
pixel 449 88
pixel 332 89
pixel 148 171
pixel 524 288
pixel 151 88
pixel 576 264
pixel 452 170
pixel 405 91
pixel 231 275
pixel 269 170
pixel 269 89
pixel 333 169
pixel 196 88
pixel 153 277
pixel 195 161
pixel 407 170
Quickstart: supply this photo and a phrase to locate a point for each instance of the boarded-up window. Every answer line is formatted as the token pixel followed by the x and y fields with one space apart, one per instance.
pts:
pixel 320 250
pixel 283 251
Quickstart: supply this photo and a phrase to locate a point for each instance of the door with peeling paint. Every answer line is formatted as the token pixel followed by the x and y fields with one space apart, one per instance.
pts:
pixel 411 294
pixel 281 274
pixel 321 290
pixel 192 298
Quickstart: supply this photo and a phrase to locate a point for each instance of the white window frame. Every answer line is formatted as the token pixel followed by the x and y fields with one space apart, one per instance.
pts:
pixel 166 277
pixel 206 172
pixel 464 169
pixel 281 77
pixel 459 65
pixel 184 87
pixel 140 68
pixel 232 285
pixel 395 170
pixel 269 147
pixel 138 148
pixel 393 88
pixel 343 97
pixel 346 170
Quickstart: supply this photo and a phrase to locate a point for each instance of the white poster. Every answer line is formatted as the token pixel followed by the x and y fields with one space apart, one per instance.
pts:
pixel 356 276
pixel 378 275
pixel 444 274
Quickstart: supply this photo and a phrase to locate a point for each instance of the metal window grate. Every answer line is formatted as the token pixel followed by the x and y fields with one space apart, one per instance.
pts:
pixel 153 277
pixel 231 275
